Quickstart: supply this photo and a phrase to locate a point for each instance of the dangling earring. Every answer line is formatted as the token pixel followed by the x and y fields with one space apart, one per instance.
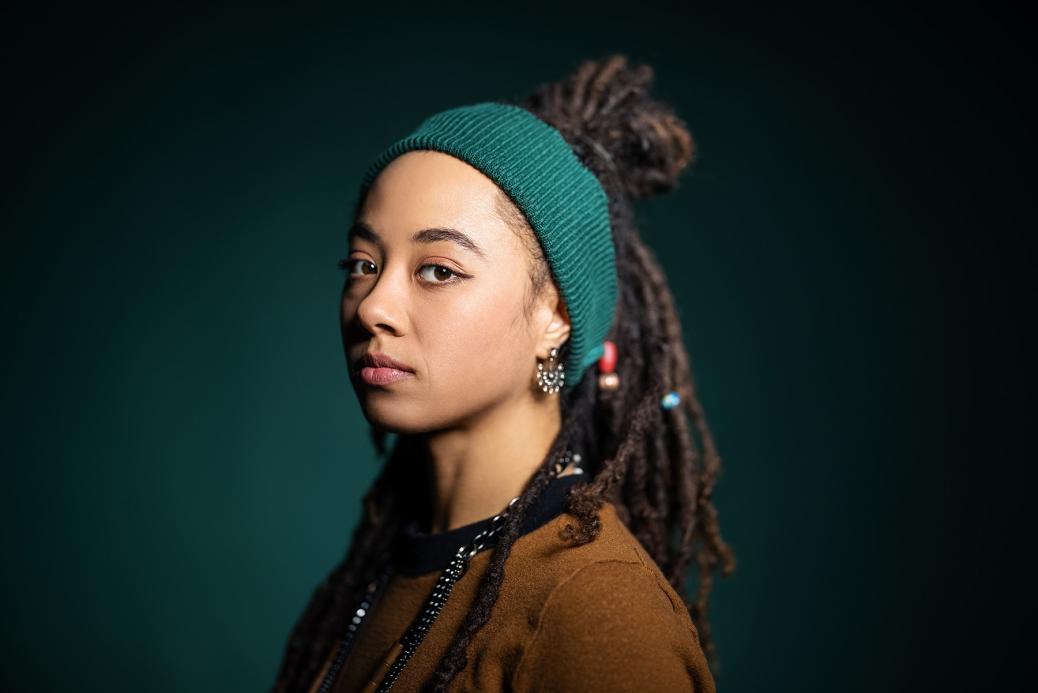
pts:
pixel 552 377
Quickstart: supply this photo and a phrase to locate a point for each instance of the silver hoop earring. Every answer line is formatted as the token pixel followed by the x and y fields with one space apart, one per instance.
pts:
pixel 553 376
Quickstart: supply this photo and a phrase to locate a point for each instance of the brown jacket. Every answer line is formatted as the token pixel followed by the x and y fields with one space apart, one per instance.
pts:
pixel 599 617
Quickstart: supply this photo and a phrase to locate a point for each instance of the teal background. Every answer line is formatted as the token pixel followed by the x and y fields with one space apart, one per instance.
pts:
pixel 183 456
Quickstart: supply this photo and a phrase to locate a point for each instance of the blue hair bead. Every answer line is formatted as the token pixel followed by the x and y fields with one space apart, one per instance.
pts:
pixel 670 400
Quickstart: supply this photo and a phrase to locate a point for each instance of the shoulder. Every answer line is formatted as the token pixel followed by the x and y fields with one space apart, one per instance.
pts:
pixel 613 623
pixel 614 560
pixel 615 592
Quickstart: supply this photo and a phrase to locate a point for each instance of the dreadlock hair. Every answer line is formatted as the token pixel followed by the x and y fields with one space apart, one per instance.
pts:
pixel 639 456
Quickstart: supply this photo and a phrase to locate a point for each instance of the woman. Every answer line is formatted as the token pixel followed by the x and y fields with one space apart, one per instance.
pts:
pixel 534 520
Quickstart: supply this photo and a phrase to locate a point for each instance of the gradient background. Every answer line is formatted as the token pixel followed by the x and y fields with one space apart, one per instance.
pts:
pixel 183 454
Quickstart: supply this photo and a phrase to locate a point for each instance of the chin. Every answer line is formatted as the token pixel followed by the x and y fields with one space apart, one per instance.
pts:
pixel 391 412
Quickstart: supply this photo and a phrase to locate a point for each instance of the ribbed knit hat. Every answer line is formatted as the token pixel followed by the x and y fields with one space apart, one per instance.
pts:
pixel 562 200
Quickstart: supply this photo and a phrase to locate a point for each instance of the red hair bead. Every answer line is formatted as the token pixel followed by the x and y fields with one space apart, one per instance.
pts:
pixel 607 363
pixel 608 379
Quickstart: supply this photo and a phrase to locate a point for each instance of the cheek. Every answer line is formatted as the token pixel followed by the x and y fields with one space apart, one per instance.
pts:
pixel 483 341
pixel 347 314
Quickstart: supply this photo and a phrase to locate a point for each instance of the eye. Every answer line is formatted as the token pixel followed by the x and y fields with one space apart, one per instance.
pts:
pixel 350 263
pixel 440 274
pixel 431 273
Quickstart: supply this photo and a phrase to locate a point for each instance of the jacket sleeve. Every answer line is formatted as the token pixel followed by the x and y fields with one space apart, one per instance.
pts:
pixel 610 627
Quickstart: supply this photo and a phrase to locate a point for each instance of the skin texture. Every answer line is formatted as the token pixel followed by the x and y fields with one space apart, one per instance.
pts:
pixel 472 334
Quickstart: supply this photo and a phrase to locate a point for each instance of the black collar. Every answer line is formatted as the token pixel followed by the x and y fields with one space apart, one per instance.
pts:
pixel 417 552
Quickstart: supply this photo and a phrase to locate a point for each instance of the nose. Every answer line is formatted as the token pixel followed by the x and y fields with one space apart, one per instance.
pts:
pixel 380 309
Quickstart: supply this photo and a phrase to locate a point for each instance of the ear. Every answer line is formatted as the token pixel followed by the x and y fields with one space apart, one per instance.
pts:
pixel 557 330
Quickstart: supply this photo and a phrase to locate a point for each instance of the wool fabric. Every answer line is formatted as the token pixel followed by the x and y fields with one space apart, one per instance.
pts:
pixel 561 198
pixel 599 617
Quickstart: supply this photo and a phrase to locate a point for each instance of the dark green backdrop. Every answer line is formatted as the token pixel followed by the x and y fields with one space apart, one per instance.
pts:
pixel 183 455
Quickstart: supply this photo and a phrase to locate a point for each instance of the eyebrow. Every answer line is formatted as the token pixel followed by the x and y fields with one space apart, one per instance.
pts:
pixel 364 231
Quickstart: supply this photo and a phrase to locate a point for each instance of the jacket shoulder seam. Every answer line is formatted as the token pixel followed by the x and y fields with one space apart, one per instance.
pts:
pixel 551 596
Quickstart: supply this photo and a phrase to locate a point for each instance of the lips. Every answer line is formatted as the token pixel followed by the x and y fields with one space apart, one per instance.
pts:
pixel 376 368
pixel 377 359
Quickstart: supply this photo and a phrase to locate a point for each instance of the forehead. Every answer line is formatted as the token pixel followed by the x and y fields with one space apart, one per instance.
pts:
pixel 422 189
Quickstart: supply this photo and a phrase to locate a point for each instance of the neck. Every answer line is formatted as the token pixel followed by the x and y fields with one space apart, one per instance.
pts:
pixel 476 469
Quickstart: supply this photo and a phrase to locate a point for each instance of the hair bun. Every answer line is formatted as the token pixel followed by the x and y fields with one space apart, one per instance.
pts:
pixel 605 111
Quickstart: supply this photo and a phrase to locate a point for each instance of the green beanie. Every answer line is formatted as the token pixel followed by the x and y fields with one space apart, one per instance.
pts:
pixel 563 201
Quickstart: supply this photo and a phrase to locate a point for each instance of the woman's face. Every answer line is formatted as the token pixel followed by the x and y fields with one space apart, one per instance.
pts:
pixel 438 281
